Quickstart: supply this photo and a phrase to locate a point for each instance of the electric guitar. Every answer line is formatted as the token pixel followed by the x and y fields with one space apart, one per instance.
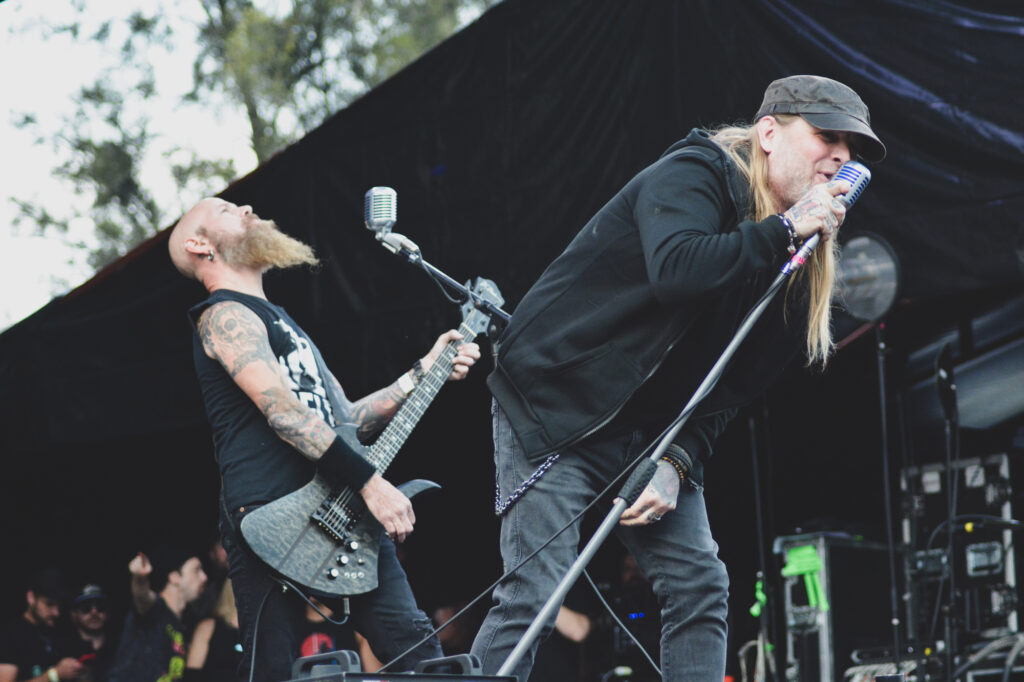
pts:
pixel 322 536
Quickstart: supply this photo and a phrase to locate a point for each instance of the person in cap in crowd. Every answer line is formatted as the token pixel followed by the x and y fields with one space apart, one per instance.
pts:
pixel 29 645
pixel 153 642
pixel 89 639
pixel 607 347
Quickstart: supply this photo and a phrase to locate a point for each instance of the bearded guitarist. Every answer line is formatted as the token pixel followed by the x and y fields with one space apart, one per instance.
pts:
pixel 272 404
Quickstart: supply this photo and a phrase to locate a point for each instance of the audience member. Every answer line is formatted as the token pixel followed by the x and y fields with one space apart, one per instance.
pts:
pixel 457 637
pixel 89 639
pixel 560 657
pixel 29 647
pixel 216 650
pixel 637 607
pixel 153 641
pixel 215 565
pixel 317 635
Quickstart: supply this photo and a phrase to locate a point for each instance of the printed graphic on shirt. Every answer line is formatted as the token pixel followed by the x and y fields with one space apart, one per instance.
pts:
pixel 316 643
pixel 176 666
pixel 300 366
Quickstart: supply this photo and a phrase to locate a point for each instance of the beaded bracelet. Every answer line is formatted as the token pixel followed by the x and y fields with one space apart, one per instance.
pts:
pixel 790 230
pixel 675 465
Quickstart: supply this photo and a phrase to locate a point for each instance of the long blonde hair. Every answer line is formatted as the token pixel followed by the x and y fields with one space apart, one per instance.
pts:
pixel 741 145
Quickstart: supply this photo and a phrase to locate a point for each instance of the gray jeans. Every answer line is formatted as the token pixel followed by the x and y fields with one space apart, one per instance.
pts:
pixel 677 554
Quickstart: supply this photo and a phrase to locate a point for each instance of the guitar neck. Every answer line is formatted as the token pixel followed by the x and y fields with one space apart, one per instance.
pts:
pixel 391 440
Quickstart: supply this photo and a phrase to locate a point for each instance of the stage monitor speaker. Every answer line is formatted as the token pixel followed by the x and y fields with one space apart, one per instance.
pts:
pixel 334 676
pixel 836 601
pixel 330 666
pixel 342 665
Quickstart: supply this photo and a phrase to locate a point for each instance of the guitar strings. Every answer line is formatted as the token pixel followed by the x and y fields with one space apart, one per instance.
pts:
pixel 384 449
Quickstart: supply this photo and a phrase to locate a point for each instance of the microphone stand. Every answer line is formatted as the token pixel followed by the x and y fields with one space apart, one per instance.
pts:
pixel 401 245
pixel 644 472
pixel 894 603
pixel 946 389
pixel 765 625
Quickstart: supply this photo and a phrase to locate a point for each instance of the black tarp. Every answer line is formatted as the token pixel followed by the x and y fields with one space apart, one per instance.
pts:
pixel 501 142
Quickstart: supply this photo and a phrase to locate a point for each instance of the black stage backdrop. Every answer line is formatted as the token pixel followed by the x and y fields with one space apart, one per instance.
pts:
pixel 501 143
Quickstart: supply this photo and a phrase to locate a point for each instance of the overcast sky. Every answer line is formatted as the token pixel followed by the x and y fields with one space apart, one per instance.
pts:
pixel 40 77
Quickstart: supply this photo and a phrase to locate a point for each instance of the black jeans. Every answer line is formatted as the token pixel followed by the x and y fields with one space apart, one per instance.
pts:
pixel 387 617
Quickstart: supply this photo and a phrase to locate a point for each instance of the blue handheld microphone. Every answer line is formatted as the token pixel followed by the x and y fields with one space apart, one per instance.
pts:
pixel 858 175
pixel 855 173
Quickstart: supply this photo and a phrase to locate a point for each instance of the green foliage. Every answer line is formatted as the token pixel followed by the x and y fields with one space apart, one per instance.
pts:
pixel 288 65
pixel 292 69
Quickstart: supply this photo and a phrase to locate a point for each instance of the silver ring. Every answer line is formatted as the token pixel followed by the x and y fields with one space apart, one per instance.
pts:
pixel 653 517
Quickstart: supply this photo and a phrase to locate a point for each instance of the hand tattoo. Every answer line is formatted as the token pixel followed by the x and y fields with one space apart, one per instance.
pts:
pixel 665 483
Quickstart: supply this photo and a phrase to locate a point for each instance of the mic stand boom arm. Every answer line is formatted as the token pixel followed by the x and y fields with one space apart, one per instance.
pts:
pixel 644 472
pixel 406 248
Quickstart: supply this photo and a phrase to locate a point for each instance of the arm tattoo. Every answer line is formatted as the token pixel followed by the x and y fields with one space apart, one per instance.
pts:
pixel 237 338
pixel 233 334
pixel 345 416
pixel 372 413
pixel 296 424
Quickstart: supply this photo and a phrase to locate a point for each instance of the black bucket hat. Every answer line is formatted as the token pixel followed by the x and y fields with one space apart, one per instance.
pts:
pixel 825 104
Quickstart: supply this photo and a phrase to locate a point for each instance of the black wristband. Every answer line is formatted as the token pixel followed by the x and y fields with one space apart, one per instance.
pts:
pixel 341 463
pixel 192 675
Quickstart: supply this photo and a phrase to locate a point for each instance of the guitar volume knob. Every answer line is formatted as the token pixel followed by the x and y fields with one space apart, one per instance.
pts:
pixel 333 573
pixel 352 545
pixel 341 560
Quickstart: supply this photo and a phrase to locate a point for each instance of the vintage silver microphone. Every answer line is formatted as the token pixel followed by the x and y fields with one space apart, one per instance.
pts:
pixel 380 213
pixel 380 209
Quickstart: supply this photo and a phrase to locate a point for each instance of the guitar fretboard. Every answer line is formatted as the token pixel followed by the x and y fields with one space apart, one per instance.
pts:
pixel 390 441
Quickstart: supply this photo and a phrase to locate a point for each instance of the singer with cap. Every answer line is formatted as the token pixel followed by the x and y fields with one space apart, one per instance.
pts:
pixel 606 348
pixel 271 405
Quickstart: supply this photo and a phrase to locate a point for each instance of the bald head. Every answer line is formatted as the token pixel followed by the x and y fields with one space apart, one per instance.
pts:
pixel 187 237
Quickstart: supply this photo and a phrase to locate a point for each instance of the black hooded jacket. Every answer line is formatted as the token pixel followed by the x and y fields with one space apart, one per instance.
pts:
pixel 627 321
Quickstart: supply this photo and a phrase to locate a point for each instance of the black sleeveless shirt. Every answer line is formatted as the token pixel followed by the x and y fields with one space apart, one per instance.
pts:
pixel 256 466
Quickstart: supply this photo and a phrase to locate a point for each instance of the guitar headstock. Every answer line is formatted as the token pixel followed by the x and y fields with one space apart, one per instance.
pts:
pixel 473 317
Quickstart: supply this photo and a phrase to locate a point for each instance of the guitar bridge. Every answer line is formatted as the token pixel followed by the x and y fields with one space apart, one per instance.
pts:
pixel 335 519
